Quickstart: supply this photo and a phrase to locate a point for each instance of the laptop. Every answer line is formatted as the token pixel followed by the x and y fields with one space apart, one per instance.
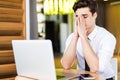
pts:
pixel 34 59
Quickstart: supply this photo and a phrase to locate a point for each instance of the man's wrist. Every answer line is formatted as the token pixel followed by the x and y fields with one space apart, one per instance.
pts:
pixel 75 35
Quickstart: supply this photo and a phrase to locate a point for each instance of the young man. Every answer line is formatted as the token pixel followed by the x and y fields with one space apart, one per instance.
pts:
pixel 89 43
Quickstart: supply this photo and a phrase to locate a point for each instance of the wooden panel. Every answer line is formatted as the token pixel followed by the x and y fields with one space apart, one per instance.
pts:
pixel 24 18
pixel 11 11
pixel 8 39
pixel 5 41
pixel 7 70
pixel 14 1
pixel 6 56
pixel 10 33
pixel 10 18
pixel 9 29
pixel 6 47
pixel 12 27
pixel 11 78
pixel 7 4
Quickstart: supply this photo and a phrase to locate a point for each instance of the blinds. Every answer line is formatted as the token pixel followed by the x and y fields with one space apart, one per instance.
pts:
pixel 12 27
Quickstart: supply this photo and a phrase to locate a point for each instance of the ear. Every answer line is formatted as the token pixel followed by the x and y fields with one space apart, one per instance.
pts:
pixel 95 15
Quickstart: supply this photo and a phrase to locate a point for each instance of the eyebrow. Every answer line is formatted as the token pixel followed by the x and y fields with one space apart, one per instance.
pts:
pixel 84 14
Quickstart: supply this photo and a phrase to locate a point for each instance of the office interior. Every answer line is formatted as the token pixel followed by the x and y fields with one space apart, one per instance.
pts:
pixel 26 19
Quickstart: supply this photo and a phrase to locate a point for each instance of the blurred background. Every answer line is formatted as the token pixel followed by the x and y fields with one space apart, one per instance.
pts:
pixel 55 19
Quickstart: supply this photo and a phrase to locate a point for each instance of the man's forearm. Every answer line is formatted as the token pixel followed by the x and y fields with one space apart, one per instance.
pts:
pixel 90 56
pixel 69 55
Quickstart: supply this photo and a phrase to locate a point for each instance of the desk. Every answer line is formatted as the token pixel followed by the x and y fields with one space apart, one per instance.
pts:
pixel 66 72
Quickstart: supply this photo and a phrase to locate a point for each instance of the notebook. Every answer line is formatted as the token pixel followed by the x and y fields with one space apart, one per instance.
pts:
pixel 34 59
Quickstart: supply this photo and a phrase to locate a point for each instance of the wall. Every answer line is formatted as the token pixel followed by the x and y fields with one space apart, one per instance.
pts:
pixel 113 22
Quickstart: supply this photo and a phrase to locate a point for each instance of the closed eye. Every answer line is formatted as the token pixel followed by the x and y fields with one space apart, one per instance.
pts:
pixel 85 15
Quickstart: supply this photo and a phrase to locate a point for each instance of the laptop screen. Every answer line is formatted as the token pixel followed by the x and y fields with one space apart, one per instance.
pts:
pixel 34 59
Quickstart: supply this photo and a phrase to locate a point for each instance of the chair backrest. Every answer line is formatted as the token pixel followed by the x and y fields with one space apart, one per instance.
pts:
pixel 114 63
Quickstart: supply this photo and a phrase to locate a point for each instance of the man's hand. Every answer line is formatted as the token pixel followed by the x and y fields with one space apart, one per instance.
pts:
pixel 76 28
pixel 81 27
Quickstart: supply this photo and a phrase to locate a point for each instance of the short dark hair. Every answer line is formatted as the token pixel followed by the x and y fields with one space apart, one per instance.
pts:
pixel 91 4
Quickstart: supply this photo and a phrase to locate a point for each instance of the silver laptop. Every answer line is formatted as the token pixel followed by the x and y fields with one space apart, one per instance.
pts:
pixel 34 59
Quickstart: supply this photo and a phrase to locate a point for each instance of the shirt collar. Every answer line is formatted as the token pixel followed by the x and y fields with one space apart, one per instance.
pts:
pixel 93 33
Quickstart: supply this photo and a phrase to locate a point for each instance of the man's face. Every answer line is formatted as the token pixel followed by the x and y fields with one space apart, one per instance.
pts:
pixel 87 16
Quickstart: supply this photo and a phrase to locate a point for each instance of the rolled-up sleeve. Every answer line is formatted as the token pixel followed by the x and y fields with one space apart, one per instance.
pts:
pixel 105 52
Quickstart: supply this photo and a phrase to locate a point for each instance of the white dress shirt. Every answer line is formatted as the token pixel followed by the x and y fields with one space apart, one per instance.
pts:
pixel 103 44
